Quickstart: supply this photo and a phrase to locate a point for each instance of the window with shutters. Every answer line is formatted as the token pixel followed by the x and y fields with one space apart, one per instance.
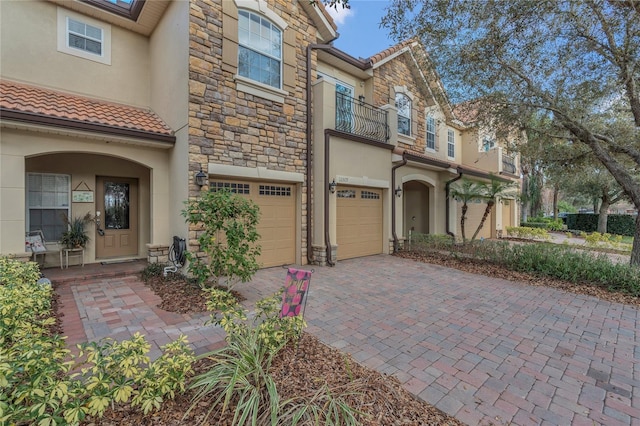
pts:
pixel 259 49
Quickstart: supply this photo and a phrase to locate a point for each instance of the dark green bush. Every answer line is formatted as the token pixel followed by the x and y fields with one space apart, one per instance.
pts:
pixel 621 224
pixel 618 224
pixel 552 260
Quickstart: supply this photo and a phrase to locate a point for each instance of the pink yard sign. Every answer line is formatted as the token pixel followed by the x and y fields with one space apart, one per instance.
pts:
pixel 295 290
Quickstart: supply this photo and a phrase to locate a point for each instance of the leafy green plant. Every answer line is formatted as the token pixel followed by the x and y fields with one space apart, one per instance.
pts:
pixel 42 383
pixel 226 226
pixel 527 232
pixel 76 236
pixel 553 260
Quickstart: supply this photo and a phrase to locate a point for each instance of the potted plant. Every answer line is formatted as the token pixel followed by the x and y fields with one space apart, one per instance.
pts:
pixel 76 236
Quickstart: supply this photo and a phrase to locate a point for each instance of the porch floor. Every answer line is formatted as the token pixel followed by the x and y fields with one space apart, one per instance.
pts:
pixel 89 271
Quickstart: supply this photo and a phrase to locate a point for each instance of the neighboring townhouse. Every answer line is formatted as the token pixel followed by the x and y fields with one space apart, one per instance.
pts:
pixel 387 148
pixel 126 108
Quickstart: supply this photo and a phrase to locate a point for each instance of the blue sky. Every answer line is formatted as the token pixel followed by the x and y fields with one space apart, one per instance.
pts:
pixel 360 33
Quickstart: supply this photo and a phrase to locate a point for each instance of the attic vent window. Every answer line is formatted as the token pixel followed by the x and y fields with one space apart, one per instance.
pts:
pixel 84 37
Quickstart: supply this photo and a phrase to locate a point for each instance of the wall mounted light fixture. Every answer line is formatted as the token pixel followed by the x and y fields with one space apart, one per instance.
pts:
pixel 398 191
pixel 201 178
pixel 361 98
pixel 332 186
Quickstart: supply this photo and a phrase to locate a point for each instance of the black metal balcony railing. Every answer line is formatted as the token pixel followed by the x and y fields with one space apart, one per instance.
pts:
pixel 360 118
pixel 509 164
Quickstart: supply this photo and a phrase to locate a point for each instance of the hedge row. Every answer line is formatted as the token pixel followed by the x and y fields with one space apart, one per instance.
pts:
pixel 617 224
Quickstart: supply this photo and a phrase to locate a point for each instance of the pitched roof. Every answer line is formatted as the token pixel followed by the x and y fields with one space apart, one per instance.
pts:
pixel 390 51
pixel 28 103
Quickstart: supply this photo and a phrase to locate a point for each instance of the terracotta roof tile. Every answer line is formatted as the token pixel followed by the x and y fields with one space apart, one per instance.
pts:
pixel 22 98
pixel 390 51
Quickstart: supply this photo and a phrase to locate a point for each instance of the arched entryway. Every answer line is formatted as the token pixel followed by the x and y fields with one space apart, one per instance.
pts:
pixel 416 208
pixel 76 184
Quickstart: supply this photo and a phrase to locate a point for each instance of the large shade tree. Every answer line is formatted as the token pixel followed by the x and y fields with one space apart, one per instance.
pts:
pixel 569 61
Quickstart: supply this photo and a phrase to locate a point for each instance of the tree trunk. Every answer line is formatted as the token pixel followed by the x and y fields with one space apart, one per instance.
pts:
pixel 635 251
pixel 524 212
pixel 487 210
pixel 556 190
pixel 603 216
pixel 462 219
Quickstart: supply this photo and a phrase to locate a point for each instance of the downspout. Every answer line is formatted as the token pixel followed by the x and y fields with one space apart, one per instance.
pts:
pixel 446 203
pixel 393 202
pixel 327 237
pixel 309 157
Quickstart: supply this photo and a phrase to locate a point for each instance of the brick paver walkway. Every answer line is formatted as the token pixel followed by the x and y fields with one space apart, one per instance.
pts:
pixel 482 349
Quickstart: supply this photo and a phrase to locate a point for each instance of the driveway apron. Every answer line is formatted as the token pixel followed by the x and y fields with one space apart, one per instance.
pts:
pixel 485 350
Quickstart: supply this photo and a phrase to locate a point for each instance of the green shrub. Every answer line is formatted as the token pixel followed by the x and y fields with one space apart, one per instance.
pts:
pixel 619 224
pixel 528 232
pixel 554 260
pixel 545 222
pixel 36 386
pixel 227 234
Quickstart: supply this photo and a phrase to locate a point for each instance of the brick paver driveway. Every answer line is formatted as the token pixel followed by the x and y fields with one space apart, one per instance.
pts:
pixel 485 350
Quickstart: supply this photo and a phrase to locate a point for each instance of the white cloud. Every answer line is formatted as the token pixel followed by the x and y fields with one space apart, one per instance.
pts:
pixel 339 14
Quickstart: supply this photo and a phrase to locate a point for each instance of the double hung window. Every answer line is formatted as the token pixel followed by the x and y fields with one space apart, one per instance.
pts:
pixel 259 49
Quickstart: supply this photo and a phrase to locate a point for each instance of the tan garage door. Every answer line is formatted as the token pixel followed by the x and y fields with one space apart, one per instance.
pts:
pixel 277 225
pixel 359 222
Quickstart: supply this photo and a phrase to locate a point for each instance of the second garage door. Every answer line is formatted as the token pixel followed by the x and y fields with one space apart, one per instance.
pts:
pixel 359 222
pixel 277 225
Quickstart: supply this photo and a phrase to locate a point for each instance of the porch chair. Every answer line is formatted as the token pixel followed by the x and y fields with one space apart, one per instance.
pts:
pixel 36 244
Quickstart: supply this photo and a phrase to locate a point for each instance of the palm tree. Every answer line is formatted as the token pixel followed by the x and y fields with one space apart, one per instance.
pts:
pixel 467 191
pixel 490 193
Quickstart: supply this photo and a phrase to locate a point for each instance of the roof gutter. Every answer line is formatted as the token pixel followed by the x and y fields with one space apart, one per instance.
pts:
pixel 64 123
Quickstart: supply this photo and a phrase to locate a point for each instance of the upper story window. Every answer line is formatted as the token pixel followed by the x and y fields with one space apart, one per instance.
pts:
pixel 259 49
pixel 488 144
pixel 403 104
pixel 85 37
pixel 431 133
pixel 451 144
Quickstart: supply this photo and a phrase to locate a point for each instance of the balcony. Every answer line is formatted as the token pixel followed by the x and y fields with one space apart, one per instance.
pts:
pixel 509 164
pixel 361 119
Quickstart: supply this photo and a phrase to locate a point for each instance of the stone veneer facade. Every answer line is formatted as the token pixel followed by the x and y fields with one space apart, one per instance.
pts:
pixel 231 127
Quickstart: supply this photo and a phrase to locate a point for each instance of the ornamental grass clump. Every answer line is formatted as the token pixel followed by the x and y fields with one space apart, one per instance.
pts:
pixel 240 380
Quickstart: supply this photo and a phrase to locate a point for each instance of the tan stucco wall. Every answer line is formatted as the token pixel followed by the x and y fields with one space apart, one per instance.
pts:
pixel 169 54
pixel 24 151
pixel 28 53
pixel 474 215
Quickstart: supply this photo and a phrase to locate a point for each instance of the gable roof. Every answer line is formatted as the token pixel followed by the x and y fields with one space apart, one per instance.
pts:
pixel 324 22
pixel 37 105
pixel 424 67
